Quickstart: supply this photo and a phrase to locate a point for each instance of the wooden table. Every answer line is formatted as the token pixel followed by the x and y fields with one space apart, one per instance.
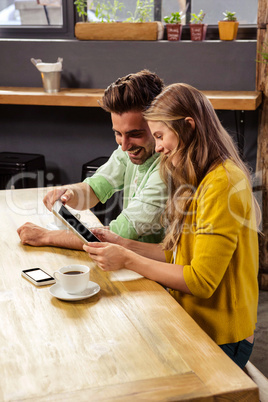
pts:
pixel 131 341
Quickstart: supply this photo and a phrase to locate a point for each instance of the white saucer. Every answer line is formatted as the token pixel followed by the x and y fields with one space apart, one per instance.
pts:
pixel 91 290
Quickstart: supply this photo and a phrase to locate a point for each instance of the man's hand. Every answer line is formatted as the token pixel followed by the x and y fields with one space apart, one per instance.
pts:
pixel 37 236
pixel 33 235
pixel 78 196
pixel 62 193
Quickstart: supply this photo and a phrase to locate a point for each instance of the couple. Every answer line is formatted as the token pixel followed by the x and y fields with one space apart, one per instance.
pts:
pixel 208 258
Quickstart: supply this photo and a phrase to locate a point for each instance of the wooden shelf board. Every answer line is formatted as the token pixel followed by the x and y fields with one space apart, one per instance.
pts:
pixel 83 97
pixel 37 96
pixel 234 100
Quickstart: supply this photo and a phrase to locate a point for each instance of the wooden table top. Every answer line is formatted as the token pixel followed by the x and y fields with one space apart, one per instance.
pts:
pixel 131 341
pixel 222 100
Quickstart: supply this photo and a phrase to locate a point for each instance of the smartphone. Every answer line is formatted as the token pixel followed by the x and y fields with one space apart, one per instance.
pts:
pixel 38 277
pixel 77 227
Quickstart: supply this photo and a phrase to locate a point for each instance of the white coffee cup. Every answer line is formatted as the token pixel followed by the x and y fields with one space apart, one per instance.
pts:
pixel 73 278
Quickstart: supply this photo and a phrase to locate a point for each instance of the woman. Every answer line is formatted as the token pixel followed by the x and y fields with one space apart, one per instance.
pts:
pixel 209 257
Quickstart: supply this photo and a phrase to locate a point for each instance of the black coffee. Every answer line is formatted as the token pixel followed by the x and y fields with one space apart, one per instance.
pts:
pixel 73 272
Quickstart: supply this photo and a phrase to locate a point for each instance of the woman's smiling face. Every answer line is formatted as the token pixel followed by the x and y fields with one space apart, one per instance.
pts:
pixel 165 138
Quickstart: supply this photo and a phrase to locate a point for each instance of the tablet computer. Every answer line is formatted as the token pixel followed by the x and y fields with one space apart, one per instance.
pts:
pixel 74 224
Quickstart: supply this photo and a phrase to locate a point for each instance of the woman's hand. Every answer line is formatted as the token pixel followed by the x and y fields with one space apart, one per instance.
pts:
pixel 105 235
pixel 109 257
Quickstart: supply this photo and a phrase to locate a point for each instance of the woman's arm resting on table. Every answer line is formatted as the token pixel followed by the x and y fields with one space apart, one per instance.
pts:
pixel 37 236
pixel 150 250
pixel 111 257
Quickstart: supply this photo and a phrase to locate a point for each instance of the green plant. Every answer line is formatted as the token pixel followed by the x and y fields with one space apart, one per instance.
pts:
pixel 81 8
pixel 229 16
pixel 107 12
pixel 198 18
pixel 174 18
pixel 143 11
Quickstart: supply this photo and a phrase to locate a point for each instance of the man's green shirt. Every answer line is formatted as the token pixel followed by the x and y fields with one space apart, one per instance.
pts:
pixel 144 199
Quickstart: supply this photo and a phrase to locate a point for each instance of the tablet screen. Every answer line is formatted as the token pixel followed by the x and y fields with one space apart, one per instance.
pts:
pixel 76 224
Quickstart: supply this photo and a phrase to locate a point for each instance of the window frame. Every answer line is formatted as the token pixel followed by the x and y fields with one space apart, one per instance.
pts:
pixel 65 31
pixel 70 17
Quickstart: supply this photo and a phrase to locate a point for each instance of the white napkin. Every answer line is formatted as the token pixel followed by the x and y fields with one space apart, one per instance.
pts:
pixel 124 275
pixel 47 67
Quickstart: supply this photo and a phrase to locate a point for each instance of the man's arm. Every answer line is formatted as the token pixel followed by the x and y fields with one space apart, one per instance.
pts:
pixel 37 236
pixel 78 196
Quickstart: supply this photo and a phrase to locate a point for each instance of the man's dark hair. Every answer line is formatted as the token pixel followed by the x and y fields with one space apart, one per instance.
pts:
pixel 134 92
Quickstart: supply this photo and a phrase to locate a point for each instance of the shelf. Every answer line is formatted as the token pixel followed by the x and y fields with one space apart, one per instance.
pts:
pixel 82 97
pixel 37 96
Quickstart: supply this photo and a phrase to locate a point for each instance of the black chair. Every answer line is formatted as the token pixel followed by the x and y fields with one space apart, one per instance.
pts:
pixel 22 170
pixel 112 208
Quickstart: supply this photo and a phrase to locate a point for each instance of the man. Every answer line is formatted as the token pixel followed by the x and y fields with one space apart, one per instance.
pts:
pixel 133 168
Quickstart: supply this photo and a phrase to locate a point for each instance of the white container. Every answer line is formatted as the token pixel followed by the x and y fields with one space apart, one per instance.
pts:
pixel 51 81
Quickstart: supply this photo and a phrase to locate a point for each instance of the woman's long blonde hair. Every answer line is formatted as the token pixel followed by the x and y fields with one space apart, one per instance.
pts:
pixel 199 151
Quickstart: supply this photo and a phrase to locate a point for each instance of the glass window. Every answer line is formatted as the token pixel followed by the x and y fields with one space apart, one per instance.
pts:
pixel 56 18
pixel 170 6
pixel 246 10
pixel 31 13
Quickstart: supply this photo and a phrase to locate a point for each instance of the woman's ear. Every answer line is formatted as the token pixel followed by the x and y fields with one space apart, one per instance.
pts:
pixel 191 121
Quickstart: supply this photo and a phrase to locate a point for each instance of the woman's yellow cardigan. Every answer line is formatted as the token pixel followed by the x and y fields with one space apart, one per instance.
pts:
pixel 219 251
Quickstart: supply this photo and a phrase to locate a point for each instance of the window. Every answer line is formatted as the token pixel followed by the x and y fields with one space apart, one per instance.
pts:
pixel 56 18
pixel 246 10
pixel 31 12
pixel 246 13
pixel 36 19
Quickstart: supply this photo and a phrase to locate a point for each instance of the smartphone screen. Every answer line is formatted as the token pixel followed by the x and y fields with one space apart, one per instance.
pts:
pixel 77 225
pixel 38 276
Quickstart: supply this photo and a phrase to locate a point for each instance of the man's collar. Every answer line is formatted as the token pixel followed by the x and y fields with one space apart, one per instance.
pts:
pixel 145 166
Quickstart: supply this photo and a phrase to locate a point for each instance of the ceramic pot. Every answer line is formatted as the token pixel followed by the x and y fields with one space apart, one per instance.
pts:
pixel 228 30
pixel 198 32
pixel 174 31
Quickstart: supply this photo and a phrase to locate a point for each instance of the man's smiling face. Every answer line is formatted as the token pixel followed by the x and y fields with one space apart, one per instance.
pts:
pixel 133 134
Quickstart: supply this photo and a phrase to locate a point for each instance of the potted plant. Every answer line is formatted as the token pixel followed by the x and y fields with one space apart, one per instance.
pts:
pixel 173 25
pixel 139 26
pixel 228 27
pixel 198 29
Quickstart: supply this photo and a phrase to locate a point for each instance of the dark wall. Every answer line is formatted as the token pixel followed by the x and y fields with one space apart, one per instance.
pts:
pixel 209 65
pixel 71 136
pixel 67 137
